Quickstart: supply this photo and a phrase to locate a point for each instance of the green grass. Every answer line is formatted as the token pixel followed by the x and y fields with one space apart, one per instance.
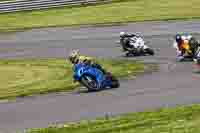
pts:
pixel 24 77
pixel 124 11
pixel 169 120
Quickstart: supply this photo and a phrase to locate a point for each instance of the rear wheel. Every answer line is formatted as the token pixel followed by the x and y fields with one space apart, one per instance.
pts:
pixel 115 84
pixel 89 82
pixel 150 51
pixel 115 81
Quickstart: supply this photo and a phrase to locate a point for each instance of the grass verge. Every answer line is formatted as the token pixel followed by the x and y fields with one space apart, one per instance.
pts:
pixel 184 119
pixel 118 11
pixel 38 76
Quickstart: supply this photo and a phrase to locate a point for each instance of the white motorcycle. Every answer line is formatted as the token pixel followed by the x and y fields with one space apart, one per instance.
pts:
pixel 197 59
pixel 138 47
pixel 196 67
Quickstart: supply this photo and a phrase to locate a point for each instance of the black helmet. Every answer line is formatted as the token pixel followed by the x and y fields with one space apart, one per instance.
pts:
pixel 178 38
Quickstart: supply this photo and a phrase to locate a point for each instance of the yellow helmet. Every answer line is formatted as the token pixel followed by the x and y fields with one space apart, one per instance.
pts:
pixel 74 56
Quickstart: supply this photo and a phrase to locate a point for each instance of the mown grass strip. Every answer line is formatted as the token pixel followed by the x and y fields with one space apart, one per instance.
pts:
pixel 182 119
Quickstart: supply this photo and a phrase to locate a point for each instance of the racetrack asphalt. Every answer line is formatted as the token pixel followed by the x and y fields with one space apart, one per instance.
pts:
pixel 175 83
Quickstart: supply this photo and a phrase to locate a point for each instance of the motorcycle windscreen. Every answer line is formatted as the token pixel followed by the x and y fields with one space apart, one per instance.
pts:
pixel 78 69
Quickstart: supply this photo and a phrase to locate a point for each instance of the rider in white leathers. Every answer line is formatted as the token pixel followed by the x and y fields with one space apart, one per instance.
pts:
pixel 128 41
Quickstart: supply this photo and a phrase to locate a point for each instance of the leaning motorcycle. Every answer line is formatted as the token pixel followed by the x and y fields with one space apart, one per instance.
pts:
pixel 138 47
pixel 94 79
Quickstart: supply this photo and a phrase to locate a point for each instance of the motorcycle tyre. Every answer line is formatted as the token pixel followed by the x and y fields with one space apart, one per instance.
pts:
pixel 150 51
pixel 90 88
pixel 115 82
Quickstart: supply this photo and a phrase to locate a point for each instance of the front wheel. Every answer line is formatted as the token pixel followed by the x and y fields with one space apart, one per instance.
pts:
pixel 150 51
pixel 180 58
pixel 89 82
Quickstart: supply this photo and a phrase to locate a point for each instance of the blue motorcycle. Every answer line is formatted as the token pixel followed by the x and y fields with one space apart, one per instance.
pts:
pixel 92 78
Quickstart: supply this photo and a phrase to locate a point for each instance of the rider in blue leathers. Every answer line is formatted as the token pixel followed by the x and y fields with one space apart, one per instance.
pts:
pixel 75 57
